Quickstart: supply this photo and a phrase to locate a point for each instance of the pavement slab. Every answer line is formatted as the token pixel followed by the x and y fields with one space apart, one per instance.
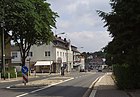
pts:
pixel 105 87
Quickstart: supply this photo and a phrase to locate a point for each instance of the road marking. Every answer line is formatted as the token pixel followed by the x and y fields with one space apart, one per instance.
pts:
pixel 22 95
pixel 89 90
pixel 93 93
pixel 76 77
pixel 43 88
pixel 100 78
pixel 83 75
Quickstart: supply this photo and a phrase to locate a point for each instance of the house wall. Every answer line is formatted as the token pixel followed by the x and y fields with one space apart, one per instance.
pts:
pixel 82 63
pixel 39 52
pixel 60 53
pixel 70 60
pixel 55 54
pixel 16 60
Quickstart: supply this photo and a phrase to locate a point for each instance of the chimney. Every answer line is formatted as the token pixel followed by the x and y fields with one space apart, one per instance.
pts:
pixel 65 39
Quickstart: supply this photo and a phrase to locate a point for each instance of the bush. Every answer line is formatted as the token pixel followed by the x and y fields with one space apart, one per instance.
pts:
pixel 12 72
pixel 19 74
pixel 124 76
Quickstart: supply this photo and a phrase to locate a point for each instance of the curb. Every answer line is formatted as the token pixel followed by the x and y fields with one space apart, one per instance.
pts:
pixel 88 92
pixel 35 85
pixel 26 87
pixel 129 94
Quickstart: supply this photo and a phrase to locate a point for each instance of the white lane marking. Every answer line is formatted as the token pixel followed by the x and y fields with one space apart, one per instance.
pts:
pixel 84 75
pixel 94 82
pixel 76 77
pixel 100 78
pixel 93 93
pixel 90 87
pixel 44 88
pixel 22 95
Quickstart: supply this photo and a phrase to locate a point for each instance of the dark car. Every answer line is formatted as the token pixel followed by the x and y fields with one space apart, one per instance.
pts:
pixel 99 69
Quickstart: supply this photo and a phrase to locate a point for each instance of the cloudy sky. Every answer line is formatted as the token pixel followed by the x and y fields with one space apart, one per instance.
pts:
pixel 81 23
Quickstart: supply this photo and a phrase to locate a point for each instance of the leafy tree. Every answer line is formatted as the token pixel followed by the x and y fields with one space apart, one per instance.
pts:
pixel 28 22
pixel 123 23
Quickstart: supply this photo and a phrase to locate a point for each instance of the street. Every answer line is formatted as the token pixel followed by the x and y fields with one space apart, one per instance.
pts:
pixel 72 88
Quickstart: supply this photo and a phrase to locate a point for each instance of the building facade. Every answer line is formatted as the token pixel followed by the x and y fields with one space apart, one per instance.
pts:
pixel 52 57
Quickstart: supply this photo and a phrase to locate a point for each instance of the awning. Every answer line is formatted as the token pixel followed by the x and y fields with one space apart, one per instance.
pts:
pixel 42 63
pixel 76 64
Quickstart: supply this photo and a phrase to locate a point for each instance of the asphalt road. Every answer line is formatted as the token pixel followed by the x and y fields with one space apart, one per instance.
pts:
pixel 73 88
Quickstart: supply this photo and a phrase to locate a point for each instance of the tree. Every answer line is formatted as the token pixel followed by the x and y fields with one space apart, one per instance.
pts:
pixel 29 22
pixel 123 23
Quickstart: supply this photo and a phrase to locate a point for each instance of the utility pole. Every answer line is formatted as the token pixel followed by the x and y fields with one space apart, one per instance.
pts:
pixel 2 43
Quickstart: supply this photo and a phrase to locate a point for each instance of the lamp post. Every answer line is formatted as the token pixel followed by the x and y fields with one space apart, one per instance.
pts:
pixel 2 41
pixel 2 49
pixel 60 33
pixel 80 47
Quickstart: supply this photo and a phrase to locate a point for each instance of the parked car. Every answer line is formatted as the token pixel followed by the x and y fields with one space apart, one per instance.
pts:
pixel 100 69
pixel 82 70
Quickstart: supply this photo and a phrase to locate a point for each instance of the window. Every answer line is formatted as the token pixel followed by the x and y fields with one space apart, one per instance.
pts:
pixel 30 54
pixel 14 54
pixel 60 54
pixel 57 53
pixel 47 53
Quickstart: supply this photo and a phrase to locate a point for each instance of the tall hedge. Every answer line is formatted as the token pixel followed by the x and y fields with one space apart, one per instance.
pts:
pixel 124 76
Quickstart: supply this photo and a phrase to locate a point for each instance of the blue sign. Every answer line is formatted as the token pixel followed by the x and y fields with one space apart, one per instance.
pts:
pixel 24 69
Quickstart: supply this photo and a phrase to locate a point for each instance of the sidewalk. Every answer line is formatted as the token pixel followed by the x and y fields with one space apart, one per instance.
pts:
pixel 105 87
pixel 48 80
pixel 14 79
pixel 32 75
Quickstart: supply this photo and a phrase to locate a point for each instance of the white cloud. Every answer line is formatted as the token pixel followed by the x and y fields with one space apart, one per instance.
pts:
pixel 91 41
pixel 78 18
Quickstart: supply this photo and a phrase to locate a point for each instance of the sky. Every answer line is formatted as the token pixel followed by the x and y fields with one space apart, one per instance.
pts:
pixel 81 23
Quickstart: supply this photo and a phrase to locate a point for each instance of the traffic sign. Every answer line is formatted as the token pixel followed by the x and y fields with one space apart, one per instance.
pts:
pixel 24 74
pixel 24 69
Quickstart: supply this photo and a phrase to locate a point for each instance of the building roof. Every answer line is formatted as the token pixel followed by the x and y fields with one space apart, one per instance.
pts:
pixel 61 43
pixel 74 48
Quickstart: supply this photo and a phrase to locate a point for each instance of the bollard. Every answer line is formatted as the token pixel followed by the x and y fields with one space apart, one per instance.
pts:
pixel 34 73
pixel 16 75
pixel 0 76
pixel 9 76
pixel 28 73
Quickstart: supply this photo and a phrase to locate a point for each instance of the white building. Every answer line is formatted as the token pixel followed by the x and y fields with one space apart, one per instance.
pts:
pixel 45 58
pixel 15 54
pixel 57 53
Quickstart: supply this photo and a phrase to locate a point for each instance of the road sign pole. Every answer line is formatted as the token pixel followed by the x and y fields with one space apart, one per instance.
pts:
pixel 25 74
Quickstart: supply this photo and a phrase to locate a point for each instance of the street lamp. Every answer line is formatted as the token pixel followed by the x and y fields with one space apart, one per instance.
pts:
pixel 2 41
pixel 60 33
pixel 80 47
